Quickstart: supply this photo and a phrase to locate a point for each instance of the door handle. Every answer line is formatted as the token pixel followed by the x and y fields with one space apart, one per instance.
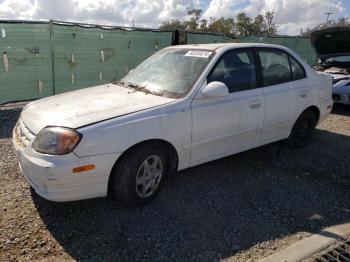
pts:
pixel 255 104
pixel 303 93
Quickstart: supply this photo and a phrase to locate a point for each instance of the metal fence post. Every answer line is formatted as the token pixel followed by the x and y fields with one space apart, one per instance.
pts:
pixel 52 56
pixel 131 50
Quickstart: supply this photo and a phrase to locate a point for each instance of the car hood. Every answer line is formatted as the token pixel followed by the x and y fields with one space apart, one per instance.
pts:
pixel 87 106
pixel 331 41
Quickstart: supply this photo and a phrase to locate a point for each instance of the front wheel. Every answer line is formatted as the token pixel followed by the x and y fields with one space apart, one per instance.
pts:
pixel 303 130
pixel 138 176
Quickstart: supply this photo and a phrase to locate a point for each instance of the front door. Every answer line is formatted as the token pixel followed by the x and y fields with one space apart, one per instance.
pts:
pixel 230 124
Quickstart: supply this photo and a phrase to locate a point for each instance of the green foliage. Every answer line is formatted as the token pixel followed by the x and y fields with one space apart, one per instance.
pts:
pixel 173 24
pixel 242 26
pixel 222 25
pixel 193 23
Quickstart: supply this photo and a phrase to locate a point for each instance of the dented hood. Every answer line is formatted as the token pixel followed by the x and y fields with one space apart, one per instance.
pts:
pixel 87 106
pixel 331 41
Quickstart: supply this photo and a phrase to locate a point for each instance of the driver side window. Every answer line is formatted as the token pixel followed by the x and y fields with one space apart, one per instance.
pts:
pixel 236 69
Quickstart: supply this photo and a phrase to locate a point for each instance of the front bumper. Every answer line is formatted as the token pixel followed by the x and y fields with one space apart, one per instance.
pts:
pixel 341 98
pixel 52 177
pixel 341 92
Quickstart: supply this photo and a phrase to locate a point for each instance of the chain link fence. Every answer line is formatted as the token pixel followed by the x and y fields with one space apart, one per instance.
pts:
pixel 40 59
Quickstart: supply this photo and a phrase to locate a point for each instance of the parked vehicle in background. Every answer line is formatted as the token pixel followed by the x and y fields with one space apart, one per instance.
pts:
pixel 333 47
pixel 183 106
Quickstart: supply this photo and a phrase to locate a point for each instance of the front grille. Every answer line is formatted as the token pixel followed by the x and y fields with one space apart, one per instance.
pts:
pixel 340 252
pixel 23 135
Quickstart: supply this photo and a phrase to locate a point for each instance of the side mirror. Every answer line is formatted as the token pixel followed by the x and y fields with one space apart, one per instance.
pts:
pixel 215 89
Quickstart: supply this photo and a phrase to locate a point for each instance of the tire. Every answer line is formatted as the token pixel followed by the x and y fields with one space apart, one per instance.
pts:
pixel 139 175
pixel 303 130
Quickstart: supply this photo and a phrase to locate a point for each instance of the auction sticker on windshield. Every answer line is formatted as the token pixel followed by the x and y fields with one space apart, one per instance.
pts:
pixel 197 53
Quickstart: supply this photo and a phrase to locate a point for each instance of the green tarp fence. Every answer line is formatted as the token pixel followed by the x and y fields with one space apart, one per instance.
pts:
pixel 301 45
pixel 86 57
pixel 206 38
pixel 40 59
pixel 25 68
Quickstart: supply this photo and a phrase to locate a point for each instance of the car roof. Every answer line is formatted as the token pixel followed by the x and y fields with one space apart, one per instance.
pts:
pixel 218 46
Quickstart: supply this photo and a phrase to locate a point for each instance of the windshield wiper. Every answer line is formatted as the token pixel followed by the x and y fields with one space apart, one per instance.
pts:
pixel 138 87
pixel 128 84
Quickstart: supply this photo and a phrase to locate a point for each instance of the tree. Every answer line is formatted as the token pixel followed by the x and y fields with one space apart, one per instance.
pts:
pixel 342 21
pixel 222 25
pixel 243 26
pixel 259 25
pixel 270 27
pixel 203 25
pixel 172 25
pixel 193 23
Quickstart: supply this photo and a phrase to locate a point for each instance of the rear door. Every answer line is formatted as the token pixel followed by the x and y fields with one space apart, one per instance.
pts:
pixel 280 94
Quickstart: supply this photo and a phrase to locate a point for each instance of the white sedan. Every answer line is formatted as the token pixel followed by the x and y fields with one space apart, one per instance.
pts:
pixel 183 106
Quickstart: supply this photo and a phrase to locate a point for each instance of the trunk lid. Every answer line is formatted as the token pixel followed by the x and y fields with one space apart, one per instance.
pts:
pixel 331 41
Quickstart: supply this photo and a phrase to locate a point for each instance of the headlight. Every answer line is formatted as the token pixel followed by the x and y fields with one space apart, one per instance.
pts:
pixel 56 140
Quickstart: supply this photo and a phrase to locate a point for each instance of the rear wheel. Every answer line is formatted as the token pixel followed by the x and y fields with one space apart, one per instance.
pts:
pixel 303 130
pixel 139 175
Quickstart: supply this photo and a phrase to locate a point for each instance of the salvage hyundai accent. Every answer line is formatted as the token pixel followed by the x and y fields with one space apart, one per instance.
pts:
pixel 183 106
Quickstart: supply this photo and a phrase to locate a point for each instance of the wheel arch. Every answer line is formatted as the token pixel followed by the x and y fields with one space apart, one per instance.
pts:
pixel 312 108
pixel 315 110
pixel 172 156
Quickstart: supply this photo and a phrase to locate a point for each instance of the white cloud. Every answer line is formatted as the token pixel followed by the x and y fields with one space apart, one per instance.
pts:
pixel 223 8
pixel 115 12
pixel 10 9
pixel 152 13
pixel 290 15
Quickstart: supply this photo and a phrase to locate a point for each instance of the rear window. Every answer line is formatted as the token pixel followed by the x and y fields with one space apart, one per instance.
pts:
pixel 298 70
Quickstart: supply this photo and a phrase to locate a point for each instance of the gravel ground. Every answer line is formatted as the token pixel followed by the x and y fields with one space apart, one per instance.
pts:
pixel 240 208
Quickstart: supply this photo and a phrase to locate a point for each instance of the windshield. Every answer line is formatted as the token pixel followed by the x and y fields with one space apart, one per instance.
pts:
pixel 169 72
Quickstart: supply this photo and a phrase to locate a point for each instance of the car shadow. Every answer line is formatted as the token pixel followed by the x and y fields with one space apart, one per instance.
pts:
pixel 214 210
pixel 340 109
pixel 8 118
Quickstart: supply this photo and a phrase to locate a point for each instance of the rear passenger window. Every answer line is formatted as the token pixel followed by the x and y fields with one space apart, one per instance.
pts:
pixel 297 69
pixel 236 69
pixel 275 67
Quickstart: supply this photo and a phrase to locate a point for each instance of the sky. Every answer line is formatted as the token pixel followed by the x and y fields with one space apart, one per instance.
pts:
pixel 290 15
